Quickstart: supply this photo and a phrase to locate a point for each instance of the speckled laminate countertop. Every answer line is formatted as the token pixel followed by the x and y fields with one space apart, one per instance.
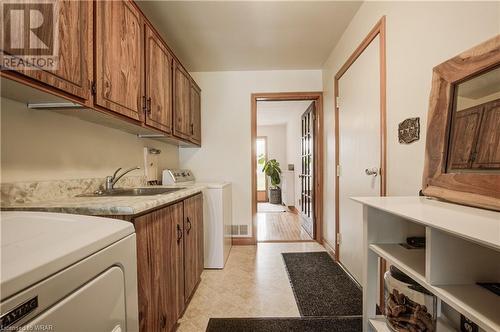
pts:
pixel 109 205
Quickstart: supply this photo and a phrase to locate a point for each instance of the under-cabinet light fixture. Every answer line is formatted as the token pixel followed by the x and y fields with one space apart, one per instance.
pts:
pixel 48 106
pixel 150 135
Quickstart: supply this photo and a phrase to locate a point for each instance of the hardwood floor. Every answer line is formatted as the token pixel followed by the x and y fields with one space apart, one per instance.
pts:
pixel 280 226
pixel 254 283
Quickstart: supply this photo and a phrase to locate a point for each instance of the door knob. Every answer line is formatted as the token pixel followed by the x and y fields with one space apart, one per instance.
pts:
pixel 372 171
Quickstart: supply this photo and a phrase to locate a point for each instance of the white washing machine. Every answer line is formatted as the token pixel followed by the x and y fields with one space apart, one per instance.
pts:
pixel 217 215
pixel 62 272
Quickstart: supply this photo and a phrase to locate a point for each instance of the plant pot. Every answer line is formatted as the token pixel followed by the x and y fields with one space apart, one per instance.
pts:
pixel 275 195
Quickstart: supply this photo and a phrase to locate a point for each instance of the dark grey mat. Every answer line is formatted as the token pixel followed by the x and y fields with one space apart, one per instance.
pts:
pixel 321 286
pixel 296 324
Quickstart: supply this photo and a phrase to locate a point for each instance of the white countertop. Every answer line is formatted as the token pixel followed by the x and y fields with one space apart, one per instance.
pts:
pixel 108 205
pixel 478 225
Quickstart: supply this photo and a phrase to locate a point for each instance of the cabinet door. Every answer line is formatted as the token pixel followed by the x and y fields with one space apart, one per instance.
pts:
pixel 177 304
pixel 195 114
pixel 160 268
pixel 74 40
pixel 182 103
pixel 193 243
pixel 200 236
pixel 464 136
pixel 158 83
pixel 487 155
pixel 119 58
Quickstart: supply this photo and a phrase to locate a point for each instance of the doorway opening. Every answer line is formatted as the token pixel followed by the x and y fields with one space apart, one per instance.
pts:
pixel 286 131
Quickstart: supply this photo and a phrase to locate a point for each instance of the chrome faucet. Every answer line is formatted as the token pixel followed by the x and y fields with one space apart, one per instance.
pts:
pixel 111 180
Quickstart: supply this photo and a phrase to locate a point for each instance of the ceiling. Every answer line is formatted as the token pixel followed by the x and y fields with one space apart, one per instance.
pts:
pixel 250 35
pixel 272 113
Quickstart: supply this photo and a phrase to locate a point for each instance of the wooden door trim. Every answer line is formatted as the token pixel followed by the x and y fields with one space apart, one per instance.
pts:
pixel 265 140
pixel 377 30
pixel 318 146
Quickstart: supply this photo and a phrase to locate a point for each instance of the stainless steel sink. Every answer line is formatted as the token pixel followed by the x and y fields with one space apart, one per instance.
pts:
pixel 131 192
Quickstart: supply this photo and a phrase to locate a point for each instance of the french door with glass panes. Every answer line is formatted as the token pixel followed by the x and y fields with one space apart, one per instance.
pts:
pixel 307 170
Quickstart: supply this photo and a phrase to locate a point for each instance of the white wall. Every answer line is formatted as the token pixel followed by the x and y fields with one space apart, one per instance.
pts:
pixel 226 151
pixel 420 35
pixel 276 142
pixel 44 145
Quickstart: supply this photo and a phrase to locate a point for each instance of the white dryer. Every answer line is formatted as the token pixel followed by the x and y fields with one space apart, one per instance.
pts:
pixel 62 272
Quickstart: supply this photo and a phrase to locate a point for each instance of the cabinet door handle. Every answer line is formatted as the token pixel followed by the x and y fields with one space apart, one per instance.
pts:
pixel 149 106
pixel 192 129
pixel 179 233
pixel 189 225
pixel 144 104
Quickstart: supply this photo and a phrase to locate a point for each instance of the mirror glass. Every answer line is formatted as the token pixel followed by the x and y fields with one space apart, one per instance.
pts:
pixel 475 124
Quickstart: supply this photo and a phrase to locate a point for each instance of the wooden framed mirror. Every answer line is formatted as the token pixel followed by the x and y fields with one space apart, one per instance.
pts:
pixel 462 154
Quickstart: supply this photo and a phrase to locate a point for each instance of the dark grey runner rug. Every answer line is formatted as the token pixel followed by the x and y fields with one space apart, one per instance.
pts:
pixel 295 324
pixel 321 286
pixel 323 292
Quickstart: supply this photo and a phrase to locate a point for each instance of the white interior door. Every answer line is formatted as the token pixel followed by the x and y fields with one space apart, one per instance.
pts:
pixel 359 150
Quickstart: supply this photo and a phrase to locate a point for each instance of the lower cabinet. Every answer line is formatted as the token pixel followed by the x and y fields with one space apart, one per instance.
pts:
pixel 169 261
pixel 193 243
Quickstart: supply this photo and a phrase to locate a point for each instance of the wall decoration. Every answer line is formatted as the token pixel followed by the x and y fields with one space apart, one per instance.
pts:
pixel 409 130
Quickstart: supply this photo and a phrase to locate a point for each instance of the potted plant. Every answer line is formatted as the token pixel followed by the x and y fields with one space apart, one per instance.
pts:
pixel 273 170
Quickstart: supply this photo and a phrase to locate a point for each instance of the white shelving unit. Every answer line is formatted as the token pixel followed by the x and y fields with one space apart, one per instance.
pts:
pixel 462 248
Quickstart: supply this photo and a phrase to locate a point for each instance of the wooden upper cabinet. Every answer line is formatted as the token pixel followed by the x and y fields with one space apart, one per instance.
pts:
pixel 119 58
pixel 193 243
pixel 158 83
pixel 182 103
pixel 464 136
pixel 487 154
pixel 475 138
pixel 74 45
pixel 195 114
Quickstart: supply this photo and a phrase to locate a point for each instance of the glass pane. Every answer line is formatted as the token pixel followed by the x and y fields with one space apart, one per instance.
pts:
pixel 261 160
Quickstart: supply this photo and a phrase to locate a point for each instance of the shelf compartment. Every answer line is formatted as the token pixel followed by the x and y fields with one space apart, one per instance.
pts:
pixel 410 261
pixel 471 300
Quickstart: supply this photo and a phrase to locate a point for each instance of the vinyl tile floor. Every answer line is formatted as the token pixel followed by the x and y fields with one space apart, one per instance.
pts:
pixel 254 283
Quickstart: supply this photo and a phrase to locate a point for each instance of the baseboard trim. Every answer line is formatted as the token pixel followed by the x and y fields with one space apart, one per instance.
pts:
pixel 244 241
pixel 350 275
pixel 285 241
pixel 330 249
